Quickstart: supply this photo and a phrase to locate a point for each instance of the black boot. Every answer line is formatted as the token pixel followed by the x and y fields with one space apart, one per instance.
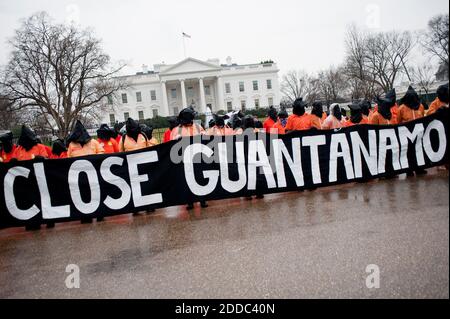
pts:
pixel 410 174
pixel 33 226
pixel 50 224
pixel 150 210
pixel 100 219
pixel 203 204
pixel 86 220
pixel 190 206
pixel 259 196
pixel 421 172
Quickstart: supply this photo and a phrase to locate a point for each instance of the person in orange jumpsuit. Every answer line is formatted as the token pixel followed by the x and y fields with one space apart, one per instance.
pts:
pixel 59 150
pixel 440 101
pixel 7 147
pixel 383 115
pixel 28 147
pixel 148 132
pixel 317 114
pixel 186 126
pixel 133 139
pixel 237 125
pixel 219 127
pixel 409 110
pixel 117 135
pixel 300 120
pixel 365 110
pixel 280 126
pixel 356 115
pixel 173 122
pixel 271 119
pixel 392 96
pixel 334 120
pixel 106 139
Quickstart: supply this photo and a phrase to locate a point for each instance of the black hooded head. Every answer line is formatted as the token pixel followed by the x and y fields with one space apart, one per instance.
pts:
pixel 335 110
pixel 442 93
pixel 299 107
pixel 248 122
pixel 317 109
pixel 355 113
pixel 384 108
pixel 79 134
pixel 391 96
pixel 283 114
pixel 133 128
pixel 258 124
pixel 220 120
pixel 147 130
pixel 186 116
pixel 236 122
pixel 6 141
pixel 117 128
pixel 104 132
pixel 212 123
pixel 411 99
pixel 365 107
pixel 58 147
pixel 173 122
pixel 27 138
pixel 273 114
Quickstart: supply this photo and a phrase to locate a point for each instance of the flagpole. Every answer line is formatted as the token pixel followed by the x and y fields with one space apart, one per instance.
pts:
pixel 184 44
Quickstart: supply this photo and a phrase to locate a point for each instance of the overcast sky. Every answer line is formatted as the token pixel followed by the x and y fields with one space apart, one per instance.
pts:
pixel 296 34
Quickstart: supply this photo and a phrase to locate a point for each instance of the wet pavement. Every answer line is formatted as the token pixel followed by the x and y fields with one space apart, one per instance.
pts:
pixel 313 244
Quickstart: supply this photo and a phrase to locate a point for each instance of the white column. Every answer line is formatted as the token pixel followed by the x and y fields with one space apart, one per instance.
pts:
pixel 220 99
pixel 165 106
pixel 202 96
pixel 183 94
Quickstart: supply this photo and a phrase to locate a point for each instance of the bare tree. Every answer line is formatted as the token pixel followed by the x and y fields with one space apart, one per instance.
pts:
pixel 59 72
pixel 332 85
pixel 423 76
pixel 8 118
pixel 296 84
pixel 435 40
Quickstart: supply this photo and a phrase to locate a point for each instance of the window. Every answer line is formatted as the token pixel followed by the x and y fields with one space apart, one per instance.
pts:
pixel 207 90
pixel 175 111
pixel 153 95
pixel 138 97
pixel 229 106
pixel 124 98
pixel 227 88
pixel 241 87
pixel 255 85
pixel 243 105
pixel 270 101
pixel 141 115
pixel 110 99
pixel 155 112
pixel 173 93
pixel 269 84
pixel 112 119
pixel 126 115
pixel 257 103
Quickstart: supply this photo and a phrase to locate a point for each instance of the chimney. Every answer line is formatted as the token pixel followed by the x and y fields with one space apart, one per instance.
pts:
pixel 229 60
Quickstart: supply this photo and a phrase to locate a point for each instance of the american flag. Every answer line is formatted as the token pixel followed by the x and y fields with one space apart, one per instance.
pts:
pixel 186 35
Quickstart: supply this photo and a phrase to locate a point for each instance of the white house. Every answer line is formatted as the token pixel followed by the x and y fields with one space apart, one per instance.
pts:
pixel 169 88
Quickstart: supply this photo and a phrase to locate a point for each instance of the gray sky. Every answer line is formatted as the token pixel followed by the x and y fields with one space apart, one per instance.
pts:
pixel 296 34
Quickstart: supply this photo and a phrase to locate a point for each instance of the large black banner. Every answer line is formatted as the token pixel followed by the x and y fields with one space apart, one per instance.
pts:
pixel 211 167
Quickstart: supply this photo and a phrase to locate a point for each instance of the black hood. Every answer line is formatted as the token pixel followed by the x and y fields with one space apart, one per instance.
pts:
pixel 212 123
pixel 79 134
pixel 317 109
pixel 236 122
pixel 442 93
pixel 220 120
pixel 384 108
pixel 248 122
pixel 335 110
pixel 133 128
pixel 186 116
pixel 27 138
pixel 273 114
pixel 58 147
pixel 299 107
pixel 173 122
pixel 365 107
pixel 6 140
pixel 411 99
pixel 355 113
pixel 259 124
pixel 283 114
pixel 147 130
pixel 104 132
pixel 391 96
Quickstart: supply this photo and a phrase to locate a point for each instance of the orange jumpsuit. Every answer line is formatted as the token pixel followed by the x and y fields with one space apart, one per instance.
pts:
pixel 90 148
pixel 110 146
pixel 350 123
pixel 406 114
pixel 435 105
pixel 277 128
pixel 23 155
pixel 130 144
pixel 378 119
pixel 6 157
pixel 166 137
pixel 299 123
pixel 317 121
pixel 187 130
pixel 268 124
pixel 215 130
pixel 54 156
pixel 332 123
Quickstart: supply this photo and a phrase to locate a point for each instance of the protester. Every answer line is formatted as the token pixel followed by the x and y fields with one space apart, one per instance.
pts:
pixel 106 139
pixel 173 122
pixel 440 101
pixel 248 124
pixel 28 147
pixel 280 126
pixel 317 114
pixel 345 118
pixel 365 110
pixel 383 115
pixel 81 143
pixel 186 125
pixel 259 127
pixel 300 120
pixel 271 119
pixel 148 132
pixel 7 147
pixel 117 134
pixel 59 149
pixel 237 124
pixel 392 97
pixel 219 127
pixel 410 108
pixel 356 115
pixel 133 139
pixel 334 119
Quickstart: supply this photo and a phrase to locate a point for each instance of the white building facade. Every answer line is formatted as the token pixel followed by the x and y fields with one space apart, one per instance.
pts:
pixel 168 89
